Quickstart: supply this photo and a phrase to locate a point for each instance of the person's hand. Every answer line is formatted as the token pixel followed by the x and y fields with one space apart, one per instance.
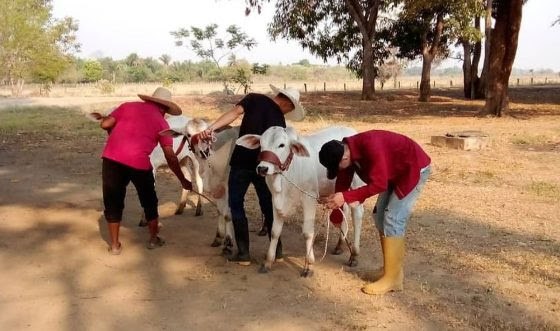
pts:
pixel 186 185
pixel 206 134
pixel 334 201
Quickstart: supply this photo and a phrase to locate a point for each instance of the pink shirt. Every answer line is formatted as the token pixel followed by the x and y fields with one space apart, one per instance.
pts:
pixel 136 134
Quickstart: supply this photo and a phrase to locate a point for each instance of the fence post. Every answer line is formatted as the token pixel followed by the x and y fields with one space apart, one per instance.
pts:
pixel 325 86
pixel 416 84
pixel 451 83
pixel 399 84
pixel 305 87
pixel 284 86
pixel 434 83
pixel 517 81
pixel 344 87
pixel 531 80
pixel 382 84
pixel 545 80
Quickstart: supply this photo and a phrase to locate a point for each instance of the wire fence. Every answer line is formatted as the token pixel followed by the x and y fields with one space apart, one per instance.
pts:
pixel 202 88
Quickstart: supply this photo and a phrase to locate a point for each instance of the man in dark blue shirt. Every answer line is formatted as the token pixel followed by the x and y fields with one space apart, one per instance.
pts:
pixel 260 112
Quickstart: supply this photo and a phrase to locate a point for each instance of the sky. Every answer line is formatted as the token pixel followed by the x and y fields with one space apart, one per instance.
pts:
pixel 117 28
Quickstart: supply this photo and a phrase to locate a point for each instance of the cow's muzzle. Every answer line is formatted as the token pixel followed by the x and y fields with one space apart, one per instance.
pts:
pixel 262 171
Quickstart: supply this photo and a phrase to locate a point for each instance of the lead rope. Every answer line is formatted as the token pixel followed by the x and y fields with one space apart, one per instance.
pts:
pixel 325 216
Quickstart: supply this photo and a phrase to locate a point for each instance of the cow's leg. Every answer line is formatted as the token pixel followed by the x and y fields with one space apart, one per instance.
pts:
pixel 309 208
pixel 220 231
pixel 184 194
pixel 230 237
pixel 198 186
pixel 357 216
pixel 274 236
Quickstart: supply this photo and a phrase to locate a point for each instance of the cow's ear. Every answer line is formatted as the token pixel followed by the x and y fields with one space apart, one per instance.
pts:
pixel 95 116
pixel 170 133
pixel 298 148
pixel 250 141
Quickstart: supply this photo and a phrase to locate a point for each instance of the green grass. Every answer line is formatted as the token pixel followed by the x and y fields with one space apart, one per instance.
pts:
pixel 544 189
pixel 530 140
pixel 47 121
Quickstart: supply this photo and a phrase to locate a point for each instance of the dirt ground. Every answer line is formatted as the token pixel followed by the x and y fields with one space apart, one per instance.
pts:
pixel 483 245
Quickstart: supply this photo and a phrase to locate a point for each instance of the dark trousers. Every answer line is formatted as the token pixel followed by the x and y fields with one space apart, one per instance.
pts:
pixel 239 180
pixel 116 177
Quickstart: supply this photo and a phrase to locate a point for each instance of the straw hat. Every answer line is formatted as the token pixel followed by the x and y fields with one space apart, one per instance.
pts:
pixel 163 96
pixel 298 113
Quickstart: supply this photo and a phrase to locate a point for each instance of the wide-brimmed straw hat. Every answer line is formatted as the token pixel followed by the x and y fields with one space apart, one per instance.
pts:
pixel 291 93
pixel 163 96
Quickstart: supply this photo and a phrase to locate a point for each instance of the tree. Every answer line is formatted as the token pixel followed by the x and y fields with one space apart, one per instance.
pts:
pixel 345 30
pixel 503 48
pixel 165 59
pixel 32 43
pixel 93 71
pixel 208 46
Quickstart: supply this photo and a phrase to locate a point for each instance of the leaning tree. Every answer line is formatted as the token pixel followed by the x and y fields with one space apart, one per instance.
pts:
pixel 503 47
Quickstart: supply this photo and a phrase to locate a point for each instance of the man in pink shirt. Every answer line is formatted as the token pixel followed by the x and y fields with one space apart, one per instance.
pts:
pixel 133 134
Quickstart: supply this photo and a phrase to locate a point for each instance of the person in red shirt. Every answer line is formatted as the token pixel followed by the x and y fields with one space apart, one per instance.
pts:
pixel 133 134
pixel 391 165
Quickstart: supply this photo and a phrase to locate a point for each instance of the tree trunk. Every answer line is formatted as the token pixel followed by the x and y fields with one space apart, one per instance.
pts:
pixel 475 80
pixel 425 90
pixel 483 82
pixel 368 84
pixel 467 69
pixel 502 55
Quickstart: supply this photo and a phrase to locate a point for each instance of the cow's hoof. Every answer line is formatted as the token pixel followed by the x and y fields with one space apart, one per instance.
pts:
pixel 227 251
pixel 216 243
pixel 264 269
pixel 337 251
pixel 352 263
pixel 198 211
pixel 263 232
pixel 179 211
pixel 307 273
pixel 143 223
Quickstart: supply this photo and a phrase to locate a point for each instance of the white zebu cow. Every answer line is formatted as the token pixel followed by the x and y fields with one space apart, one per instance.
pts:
pixel 189 164
pixel 308 174
pixel 214 169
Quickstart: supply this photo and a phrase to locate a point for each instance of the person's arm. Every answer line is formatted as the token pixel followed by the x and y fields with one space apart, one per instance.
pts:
pixel 342 184
pixel 173 164
pixel 222 121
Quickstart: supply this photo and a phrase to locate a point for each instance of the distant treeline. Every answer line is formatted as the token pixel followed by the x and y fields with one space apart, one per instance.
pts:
pixel 136 69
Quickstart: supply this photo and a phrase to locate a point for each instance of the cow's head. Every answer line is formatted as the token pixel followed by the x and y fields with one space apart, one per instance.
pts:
pixel 193 127
pixel 276 141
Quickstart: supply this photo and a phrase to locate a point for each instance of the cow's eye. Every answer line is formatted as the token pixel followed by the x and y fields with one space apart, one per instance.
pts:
pixel 188 135
pixel 281 146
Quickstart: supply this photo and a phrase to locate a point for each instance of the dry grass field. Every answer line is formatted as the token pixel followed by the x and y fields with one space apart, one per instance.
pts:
pixel 483 244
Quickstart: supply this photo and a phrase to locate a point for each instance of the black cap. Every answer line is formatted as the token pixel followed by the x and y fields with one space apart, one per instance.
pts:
pixel 330 156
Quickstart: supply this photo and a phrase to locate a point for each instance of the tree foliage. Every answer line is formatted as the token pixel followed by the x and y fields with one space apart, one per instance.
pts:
pixel 207 45
pixel 33 45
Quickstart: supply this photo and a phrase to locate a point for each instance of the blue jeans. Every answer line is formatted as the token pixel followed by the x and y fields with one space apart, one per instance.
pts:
pixel 239 180
pixel 393 213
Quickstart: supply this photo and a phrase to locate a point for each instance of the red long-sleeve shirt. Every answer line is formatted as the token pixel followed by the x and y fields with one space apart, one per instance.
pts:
pixel 381 158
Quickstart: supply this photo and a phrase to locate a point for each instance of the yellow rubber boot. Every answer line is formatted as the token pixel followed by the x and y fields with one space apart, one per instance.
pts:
pixel 393 258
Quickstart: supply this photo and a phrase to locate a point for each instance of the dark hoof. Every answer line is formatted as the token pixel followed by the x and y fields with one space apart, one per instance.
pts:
pixel 337 251
pixel 352 263
pixel 263 232
pixel 216 243
pixel 198 211
pixel 264 269
pixel 227 251
pixel 143 223
pixel 307 273
pixel 179 211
